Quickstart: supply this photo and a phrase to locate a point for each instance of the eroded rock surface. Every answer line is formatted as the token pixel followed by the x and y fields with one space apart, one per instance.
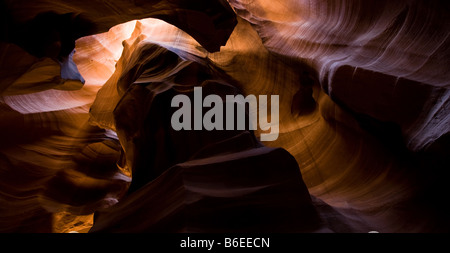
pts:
pixel 364 98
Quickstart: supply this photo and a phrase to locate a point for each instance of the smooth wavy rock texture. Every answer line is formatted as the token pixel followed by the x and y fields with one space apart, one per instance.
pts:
pixel 364 119
pixel 364 50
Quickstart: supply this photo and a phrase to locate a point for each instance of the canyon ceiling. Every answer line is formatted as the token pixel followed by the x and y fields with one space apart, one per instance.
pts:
pixel 85 116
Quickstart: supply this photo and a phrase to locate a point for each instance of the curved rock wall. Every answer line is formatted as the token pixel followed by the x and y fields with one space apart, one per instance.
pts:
pixel 364 101
pixel 384 59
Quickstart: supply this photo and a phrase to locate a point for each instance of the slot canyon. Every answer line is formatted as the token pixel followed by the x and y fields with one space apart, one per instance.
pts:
pixel 86 142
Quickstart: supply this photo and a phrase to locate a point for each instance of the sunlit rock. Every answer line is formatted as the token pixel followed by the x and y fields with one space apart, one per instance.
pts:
pixel 364 109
